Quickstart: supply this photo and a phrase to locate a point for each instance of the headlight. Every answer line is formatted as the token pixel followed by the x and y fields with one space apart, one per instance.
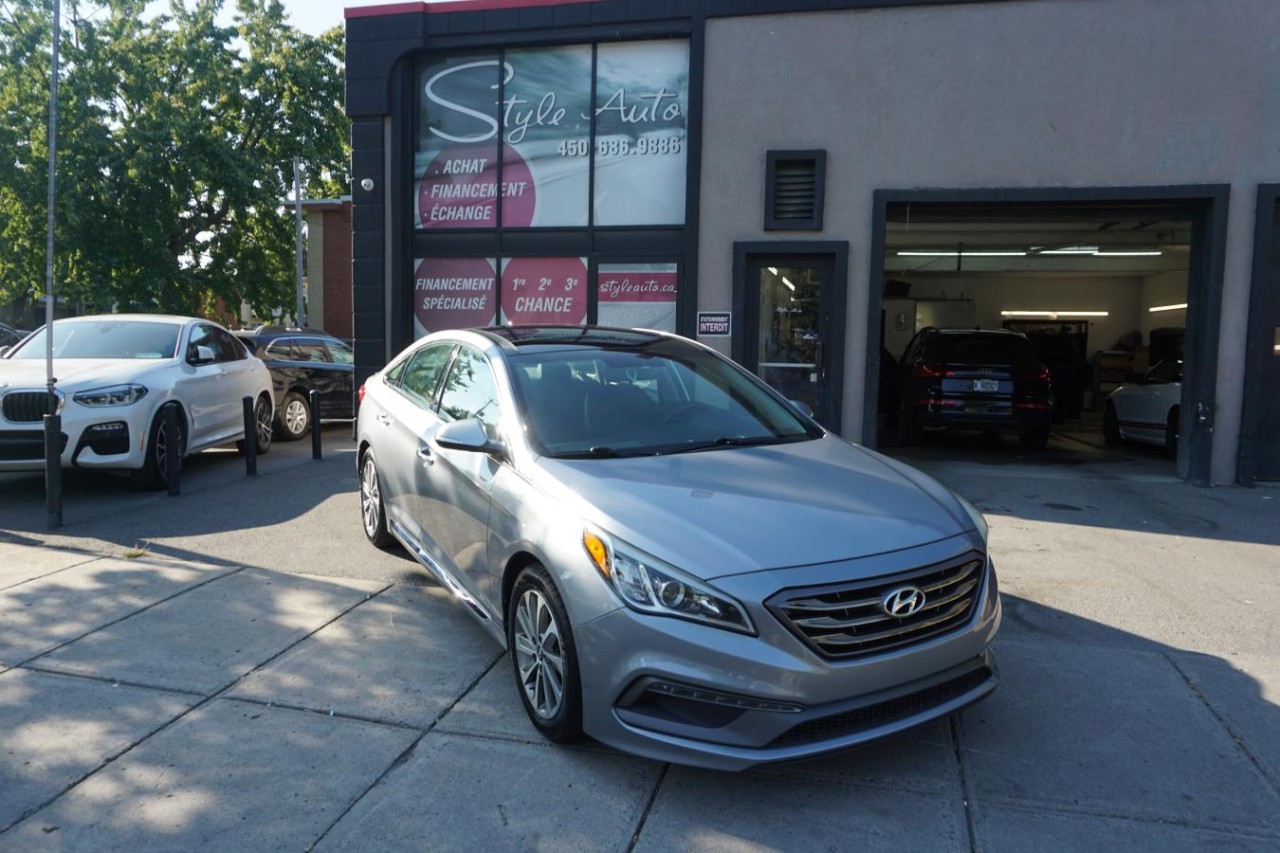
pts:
pixel 647 584
pixel 979 521
pixel 114 395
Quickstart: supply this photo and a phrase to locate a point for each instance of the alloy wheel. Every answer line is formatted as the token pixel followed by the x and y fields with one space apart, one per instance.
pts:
pixel 539 654
pixel 295 416
pixel 262 415
pixel 370 498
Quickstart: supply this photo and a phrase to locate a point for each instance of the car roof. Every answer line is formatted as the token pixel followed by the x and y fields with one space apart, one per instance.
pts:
pixel 584 336
pixel 1004 333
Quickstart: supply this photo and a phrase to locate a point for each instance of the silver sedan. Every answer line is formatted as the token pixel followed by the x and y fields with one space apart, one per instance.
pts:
pixel 680 563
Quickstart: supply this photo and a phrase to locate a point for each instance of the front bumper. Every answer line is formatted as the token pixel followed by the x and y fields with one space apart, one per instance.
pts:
pixel 102 438
pixel 678 691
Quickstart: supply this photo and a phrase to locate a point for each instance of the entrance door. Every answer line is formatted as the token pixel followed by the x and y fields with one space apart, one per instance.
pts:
pixel 794 337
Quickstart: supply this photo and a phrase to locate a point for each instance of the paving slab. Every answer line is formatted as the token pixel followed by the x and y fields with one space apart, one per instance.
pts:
pixel 1245 693
pixel 44 613
pixel 21 562
pixel 705 811
pixel 469 793
pixel 228 776
pixel 492 709
pixel 1107 732
pixel 204 640
pixel 1010 830
pixel 403 657
pixel 56 729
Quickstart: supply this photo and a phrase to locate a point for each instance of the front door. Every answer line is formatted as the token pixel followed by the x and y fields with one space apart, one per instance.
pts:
pixel 793 338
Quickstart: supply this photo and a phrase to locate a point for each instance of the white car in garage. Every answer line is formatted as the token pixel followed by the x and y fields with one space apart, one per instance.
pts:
pixel 1147 411
pixel 116 374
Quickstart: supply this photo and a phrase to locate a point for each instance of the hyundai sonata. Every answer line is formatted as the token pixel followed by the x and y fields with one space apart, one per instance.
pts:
pixel 680 563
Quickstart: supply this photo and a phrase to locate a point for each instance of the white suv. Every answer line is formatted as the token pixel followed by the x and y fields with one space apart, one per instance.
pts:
pixel 115 375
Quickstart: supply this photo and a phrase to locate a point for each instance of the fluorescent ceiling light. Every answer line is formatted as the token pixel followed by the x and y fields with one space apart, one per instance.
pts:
pixel 788 283
pixel 1153 309
pixel 1127 254
pixel 1071 250
pixel 773 270
pixel 962 254
pixel 1053 315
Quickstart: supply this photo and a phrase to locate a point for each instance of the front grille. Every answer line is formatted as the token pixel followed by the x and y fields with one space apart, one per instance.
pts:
pixel 25 406
pixel 849 620
pixel 883 713
pixel 26 445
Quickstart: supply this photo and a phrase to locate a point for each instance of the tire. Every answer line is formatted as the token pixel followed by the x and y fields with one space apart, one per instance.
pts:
pixel 1111 426
pixel 262 417
pixel 151 476
pixel 294 418
pixel 1035 440
pixel 1171 433
pixel 373 512
pixel 544 658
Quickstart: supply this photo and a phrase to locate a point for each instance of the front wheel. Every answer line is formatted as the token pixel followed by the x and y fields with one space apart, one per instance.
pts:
pixel 1111 426
pixel 544 657
pixel 153 474
pixel 262 426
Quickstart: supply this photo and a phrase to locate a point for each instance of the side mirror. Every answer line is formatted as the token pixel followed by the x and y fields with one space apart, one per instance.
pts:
pixel 203 355
pixel 467 435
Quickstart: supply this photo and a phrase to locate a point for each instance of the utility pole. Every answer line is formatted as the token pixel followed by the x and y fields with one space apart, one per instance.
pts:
pixel 298 316
pixel 52 417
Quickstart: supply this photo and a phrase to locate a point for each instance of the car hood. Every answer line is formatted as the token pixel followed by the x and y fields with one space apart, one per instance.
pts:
pixel 734 510
pixel 76 373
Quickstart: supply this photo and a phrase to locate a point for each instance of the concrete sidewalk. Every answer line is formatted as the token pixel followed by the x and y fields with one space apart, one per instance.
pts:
pixel 149 702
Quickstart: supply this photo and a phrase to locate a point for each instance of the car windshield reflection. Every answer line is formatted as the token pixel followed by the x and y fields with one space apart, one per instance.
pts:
pixel 105 339
pixel 615 402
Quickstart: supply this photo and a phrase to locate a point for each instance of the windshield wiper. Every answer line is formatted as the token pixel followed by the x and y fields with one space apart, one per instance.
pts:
pixel 597 452
pixel 728 441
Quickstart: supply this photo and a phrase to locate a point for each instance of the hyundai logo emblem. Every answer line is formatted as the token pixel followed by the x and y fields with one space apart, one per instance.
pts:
pixel 903 601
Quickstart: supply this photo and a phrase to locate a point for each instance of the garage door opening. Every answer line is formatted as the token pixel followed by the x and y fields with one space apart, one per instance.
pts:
pixel 1038 332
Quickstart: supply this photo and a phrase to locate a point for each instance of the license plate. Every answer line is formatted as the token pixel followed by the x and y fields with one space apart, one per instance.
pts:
pixel 986 385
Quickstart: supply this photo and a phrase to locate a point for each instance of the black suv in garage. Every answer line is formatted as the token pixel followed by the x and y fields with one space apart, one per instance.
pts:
pixel 984 379
pixel 301 360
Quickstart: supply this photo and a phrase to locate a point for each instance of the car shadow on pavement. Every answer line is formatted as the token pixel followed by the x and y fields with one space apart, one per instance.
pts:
pixel 160 703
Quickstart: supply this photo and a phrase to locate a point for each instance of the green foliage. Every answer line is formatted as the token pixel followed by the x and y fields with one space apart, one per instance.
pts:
pixel 176 139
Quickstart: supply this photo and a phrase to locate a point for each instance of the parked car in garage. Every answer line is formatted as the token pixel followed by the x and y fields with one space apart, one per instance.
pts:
pixel 679 562
pixel 983 379
pixel 1147 411
pixel 116 375
pixel 300 361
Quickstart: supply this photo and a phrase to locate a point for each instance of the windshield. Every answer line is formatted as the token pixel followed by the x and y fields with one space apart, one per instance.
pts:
pixel 105 339
pixel 663 397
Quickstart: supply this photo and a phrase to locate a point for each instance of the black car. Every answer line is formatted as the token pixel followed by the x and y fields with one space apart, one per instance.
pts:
pixel 985 379
pixel 301 360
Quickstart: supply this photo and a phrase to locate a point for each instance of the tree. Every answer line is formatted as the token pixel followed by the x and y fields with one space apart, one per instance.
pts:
pixel 176 137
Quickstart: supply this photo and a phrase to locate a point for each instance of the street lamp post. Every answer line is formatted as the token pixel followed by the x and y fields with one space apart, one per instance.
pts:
pixel 52 418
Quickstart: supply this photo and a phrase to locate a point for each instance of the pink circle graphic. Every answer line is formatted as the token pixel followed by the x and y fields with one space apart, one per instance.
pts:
pixel 454 293
pixel 460 187
pixel 544 292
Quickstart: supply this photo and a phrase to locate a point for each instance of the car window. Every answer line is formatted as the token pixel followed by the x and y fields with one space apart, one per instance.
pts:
pixel 341 353
pixel 280 349
pixel 310 349
pixel 470 391
pixel 107 338
pixel 1165 372
pixel 422 372
pixel 202 336
pixel 228 347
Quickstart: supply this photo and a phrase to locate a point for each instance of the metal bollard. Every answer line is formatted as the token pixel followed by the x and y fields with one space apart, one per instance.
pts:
pixel 250 439
pixel 315 424
pixel 172 451
pixel 53 470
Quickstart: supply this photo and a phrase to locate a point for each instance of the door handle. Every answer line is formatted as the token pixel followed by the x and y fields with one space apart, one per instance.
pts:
pixel 424 453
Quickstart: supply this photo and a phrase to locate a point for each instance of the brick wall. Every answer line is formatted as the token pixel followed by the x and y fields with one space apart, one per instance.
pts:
pixel 336 257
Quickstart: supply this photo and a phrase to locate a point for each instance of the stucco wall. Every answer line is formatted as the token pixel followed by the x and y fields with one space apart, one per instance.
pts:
pixel 1057 93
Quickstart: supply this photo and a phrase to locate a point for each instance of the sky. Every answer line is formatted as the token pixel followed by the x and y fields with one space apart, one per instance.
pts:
pixel 316 16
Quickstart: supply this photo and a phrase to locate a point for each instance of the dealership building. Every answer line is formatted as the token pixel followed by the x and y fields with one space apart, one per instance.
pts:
pixel 804 184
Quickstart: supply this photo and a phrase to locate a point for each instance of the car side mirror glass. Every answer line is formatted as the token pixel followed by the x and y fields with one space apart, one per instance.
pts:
pixel 203 355
pixel 467 435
